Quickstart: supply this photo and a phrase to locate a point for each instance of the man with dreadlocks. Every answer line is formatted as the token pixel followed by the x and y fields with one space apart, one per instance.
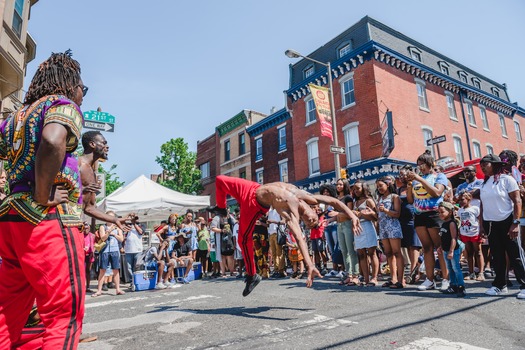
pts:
pixel 40 242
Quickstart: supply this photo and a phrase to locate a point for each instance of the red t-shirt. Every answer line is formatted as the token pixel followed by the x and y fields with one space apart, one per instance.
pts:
pixel 318 231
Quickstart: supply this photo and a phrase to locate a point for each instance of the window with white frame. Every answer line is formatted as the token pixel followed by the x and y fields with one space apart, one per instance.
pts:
pixel 495 91
pixel 517 130
pixel 205 170
pixel 282 138
pixel 444 67
pixel 502 125
pixel 353 148
pixel 427 135
pixel 483 115
pixel 463 76
pixel 258 149
pixel 415 53
pixel 310 110
pixel 451 106
pixel 422 94
pixel 242 144
pixel 226 150
pixel 477 149
pixel 347 89
pixel 458 149
pixel 476 82
pixel 259 176
pixel 490 149
pixel 344 50
pixel 17 17
pixel 283 170
pixel 313 156
pixel 309 71
pixel 470 113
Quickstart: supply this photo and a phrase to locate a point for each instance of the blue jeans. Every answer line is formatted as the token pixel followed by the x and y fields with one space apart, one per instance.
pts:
pixel 131 261
pixel 454 268
pixel 346 243
pixel 330 233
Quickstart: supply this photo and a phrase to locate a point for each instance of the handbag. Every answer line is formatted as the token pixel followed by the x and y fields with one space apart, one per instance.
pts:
pixel 100 245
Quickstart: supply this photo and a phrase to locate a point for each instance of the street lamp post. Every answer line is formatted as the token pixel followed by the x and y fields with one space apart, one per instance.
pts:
pixel 295 54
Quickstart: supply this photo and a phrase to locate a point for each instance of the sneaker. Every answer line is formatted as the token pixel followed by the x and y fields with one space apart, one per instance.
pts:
pixel 496 291
pixel 219 211
pixel 185 280
pixel 332 273
pixel 426 285
pixel 471 276
pixel 480 277
pixel 111 285
pixel 488 273
pixel 251 283
pixel 161 285
pixel 323 272
pixel 461 292
pixel 521 294
pixel 239 275
pixel 340 274
pixel 105 287
pixel 445 284
pixel 449 290
pixel 133 287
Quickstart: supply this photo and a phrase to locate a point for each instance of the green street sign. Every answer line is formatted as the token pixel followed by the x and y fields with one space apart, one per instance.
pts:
pixel 101 117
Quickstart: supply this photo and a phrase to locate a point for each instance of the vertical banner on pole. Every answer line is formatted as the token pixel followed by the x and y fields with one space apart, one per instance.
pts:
pixel 322 106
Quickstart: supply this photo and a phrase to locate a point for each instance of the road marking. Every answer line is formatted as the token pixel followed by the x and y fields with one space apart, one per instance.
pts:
pixel 436 343
pixel 179 327
pixel 110 302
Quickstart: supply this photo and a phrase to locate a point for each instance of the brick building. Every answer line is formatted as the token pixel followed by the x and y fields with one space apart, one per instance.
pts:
pixel 377 70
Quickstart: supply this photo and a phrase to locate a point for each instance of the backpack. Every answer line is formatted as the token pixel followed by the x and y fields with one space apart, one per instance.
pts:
pixel 227 246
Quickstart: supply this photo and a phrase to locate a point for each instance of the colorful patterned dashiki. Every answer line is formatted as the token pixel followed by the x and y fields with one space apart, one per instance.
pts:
pixel 20 136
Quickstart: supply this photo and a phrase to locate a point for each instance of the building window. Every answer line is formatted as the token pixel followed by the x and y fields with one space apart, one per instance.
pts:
pixel 427 135
pixel 502 125
pixel 242 144
pixel 242 174
pixel 476 82
pixel 259 176
pixel 353 149
pixel 463 76
pixel 313 156
pixel 309 71
pixel 470 113
pixel 283 171
pixel 310 110
pixel 415 53
pixel 443 67
pixel 226 150
pixel 258 149
pixel 458 149
pixel 484 120
pixel 422 94
pixel 495 91
pixel 17 17
pixel 282 138
pixel 451 106
pixel 490 149
pixel 477 149
pixel 344 50
pixel 347 90
pixel 517 130
pixel 205 170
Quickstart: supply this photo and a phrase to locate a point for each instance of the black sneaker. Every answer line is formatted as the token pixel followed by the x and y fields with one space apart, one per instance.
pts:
pixel 215 209
pixel 105 287
pixel 450 290
pixel 323 272
pixel 461 292
pixel 251 283
pixel 111 285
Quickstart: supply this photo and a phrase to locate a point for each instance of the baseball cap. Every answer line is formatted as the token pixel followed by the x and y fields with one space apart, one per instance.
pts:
pixel 491 158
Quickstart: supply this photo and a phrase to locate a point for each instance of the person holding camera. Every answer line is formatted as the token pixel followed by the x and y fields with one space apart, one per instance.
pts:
pixel 132 245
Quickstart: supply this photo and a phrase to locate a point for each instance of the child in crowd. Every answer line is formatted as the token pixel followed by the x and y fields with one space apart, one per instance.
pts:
pixel 451 248
pixel 203 244
pixel 295 256
pixel 318 243
pixel 469 234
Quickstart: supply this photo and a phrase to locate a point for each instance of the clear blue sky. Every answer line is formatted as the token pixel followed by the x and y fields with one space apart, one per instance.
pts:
pixel 180 68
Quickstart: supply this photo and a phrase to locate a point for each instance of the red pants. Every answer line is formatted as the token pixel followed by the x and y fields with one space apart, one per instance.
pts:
pixel 45 262
pixel 250 210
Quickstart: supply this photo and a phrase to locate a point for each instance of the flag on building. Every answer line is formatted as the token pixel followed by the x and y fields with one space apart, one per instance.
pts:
pixel 322 105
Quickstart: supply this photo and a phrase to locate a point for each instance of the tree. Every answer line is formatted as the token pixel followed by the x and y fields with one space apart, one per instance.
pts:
pixel 112 180
pixel 178 165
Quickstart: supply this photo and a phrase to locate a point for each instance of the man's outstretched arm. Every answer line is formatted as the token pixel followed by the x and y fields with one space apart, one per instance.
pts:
pixel 342 208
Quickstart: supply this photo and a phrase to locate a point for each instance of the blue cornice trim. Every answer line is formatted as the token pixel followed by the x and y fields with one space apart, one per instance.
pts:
pixel 268 122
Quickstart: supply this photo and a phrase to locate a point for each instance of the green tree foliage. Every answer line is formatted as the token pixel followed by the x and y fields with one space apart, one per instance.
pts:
pixel 178 165
pixel 112 180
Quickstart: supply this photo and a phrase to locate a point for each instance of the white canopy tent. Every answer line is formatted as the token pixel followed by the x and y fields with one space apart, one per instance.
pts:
pixel 151 201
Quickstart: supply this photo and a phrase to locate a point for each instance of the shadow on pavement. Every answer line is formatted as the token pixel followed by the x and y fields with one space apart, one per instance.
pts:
pixel 250 312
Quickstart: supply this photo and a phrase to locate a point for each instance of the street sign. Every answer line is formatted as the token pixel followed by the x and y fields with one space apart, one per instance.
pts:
pixel 99 126
pixel 437 139
pixel 337 149
pixel 102 117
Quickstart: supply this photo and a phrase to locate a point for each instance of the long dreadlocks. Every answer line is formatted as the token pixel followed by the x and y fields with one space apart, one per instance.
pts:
pixel 58 75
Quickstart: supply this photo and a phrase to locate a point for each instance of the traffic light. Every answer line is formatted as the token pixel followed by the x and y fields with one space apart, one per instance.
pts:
pixel 343 174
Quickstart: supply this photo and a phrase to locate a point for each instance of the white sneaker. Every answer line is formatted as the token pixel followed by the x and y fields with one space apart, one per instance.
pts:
pixel 427 285
pixel 161 285
pixel 444 284
pixel 340 274
pixel 496 291
pixel 521 294
pixel 333 273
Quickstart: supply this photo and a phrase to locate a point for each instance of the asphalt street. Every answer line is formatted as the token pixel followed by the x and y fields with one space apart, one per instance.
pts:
pixel 284 314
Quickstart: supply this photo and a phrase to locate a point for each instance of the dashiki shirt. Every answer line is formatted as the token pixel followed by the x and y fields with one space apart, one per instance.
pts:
pixel 20 136
pixel 423 201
